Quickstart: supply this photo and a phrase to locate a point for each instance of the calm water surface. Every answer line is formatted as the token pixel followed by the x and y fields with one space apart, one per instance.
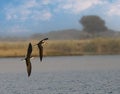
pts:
pixel 61 75
pixel 68 63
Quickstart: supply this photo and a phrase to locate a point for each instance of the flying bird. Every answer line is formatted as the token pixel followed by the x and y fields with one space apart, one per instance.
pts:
pixel 39 44
pixel 27 59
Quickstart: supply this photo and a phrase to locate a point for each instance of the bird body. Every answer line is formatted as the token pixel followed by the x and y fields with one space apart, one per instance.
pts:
pixel 40 47
pixel 27 59
pixel 28 56
pixel 29 67
pixel 40 51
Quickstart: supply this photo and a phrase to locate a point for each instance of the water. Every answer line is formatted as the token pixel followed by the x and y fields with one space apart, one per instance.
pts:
pixel 61 75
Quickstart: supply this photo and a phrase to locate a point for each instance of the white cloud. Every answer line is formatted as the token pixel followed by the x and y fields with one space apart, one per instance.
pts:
pixel 114 9
pixel 43 9
pixel 77 6
pixel 47 15
pixel 46 2
pixel 43 15
pixel 26 11
pixel 30 4
pixel 8 16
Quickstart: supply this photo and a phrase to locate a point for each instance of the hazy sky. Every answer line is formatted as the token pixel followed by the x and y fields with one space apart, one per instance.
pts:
pixel 19 17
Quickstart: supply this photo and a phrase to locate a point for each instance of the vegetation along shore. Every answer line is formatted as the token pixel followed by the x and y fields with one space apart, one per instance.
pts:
pixel 96 46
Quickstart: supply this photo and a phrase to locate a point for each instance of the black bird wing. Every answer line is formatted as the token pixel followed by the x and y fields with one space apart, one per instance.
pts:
pixel 29 50
pixel 29 67
pixel 41 48
pixel 28 63
pixel 40 52
pixel 43 40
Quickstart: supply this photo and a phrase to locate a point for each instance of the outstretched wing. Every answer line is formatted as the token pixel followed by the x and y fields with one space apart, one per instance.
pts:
pixel 28 63
pixel 41 48
pixel 43 40
pixel 29 51
pixel 40 52
pixel 29 67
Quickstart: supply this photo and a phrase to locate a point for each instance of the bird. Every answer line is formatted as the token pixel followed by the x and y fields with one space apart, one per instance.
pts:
pixel 40 47
pixel 27 59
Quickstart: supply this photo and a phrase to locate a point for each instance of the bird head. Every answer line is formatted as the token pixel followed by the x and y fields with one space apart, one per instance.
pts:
pixel 41 42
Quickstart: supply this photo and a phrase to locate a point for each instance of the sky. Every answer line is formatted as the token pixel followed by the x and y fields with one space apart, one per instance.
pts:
pixel 26 17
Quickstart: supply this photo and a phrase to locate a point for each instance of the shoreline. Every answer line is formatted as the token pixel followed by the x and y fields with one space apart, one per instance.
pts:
pixel 97 46
pixel 60 55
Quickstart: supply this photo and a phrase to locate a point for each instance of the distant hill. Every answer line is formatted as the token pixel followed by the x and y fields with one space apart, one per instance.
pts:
pixel 69 34
pixel 59 35
pixel 74 34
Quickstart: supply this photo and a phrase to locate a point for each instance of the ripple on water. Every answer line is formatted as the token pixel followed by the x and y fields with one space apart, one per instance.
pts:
pixel 72 82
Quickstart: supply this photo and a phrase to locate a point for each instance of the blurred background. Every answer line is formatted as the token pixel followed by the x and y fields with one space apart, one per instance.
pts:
pixel 73 27
pixel 82 55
